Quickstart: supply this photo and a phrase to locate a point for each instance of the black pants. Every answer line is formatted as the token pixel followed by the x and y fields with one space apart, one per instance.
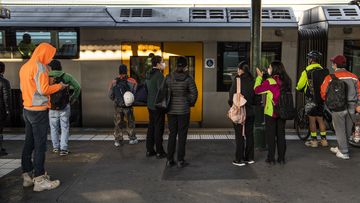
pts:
pixel 245 150
pixel 155 131
pixel 275 135
pixel 36 128
pixel 2 123
pixel 178 126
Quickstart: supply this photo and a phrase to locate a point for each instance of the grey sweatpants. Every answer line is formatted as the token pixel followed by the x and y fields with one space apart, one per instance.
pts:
pixel 343 128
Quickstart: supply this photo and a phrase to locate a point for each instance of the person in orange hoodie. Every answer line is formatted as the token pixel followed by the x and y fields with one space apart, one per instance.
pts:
pixel 35 88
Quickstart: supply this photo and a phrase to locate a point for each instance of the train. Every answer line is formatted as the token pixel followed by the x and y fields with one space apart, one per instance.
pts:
pixel 92 41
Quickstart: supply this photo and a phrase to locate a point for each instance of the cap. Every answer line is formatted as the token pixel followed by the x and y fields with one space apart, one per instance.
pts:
pixel 338 60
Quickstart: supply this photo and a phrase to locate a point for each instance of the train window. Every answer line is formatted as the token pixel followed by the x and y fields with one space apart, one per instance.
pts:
pixel 139 65
pixel 2 39
pixel 67 44
pixel 27 41
pixel 191 64
pixel 352 54
pixel 230 54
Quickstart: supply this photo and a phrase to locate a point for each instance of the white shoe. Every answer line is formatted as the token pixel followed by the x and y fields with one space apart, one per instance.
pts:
pixel 334 150
pixel 342 156
pixel 27 180
pixel 132 142
pixel 117 143
pixel 43 182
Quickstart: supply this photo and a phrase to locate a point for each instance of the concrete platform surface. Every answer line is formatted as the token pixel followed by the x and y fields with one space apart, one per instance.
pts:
pixel 98 172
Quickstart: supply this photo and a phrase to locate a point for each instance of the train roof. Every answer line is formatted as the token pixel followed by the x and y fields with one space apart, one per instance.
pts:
pixel 333 15
pixel 112 16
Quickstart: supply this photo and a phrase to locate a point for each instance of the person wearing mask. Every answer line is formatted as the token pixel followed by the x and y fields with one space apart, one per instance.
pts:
pixel 274 126
pixel 122 91
pixel 59 114
pixel 36 91
pixel 5 91
pixel 309 83
pixel 26 47
pixel 155 132
pixel 343 119
pixel 244 143
pixel 183 96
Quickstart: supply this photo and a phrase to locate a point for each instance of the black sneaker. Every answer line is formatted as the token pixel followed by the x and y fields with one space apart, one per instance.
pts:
pixel 170 163
pixel 270 161
pixel 182 164
pixel 150 154
pixel 249 162
pixel 281 161
pixel 239 163
pixel 3 152
pixel 64 152
pixel 161 155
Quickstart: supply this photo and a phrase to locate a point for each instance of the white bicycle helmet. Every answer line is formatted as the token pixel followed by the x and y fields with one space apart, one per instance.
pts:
pixel 128 98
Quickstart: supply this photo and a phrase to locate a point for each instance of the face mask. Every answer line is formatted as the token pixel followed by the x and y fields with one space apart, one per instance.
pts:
pixel 163 65
pixel 269 71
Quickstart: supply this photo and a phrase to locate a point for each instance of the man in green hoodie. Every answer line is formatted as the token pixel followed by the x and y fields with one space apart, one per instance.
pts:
pixel 59 115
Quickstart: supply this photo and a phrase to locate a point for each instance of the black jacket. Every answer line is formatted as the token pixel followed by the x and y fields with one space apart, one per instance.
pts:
pixel 247 89
pixel 183 93
pixel 5 92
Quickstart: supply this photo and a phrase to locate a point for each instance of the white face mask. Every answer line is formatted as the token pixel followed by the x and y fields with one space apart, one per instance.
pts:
pixel 163 65
pixel 269 71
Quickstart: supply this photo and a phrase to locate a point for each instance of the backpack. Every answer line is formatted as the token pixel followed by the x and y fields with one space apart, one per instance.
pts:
pixel 315 79
pixel 121 86
pixel 59 100
pixel 237 112
pixel 336 95
pixel 285 106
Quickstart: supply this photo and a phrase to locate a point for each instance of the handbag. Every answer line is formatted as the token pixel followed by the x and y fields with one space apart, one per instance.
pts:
pixel 162 98
pixel 237 112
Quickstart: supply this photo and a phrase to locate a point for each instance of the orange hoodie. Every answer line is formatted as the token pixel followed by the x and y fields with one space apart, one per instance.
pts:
pixel 34 79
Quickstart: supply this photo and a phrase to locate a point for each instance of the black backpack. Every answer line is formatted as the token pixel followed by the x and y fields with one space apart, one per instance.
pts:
pixel 285 107
pixel 336 95
pixel 60 99
pixel 315 79
pixel 119 90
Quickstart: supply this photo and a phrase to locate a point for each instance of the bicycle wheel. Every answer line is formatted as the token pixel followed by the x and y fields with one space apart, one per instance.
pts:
pixel 302 125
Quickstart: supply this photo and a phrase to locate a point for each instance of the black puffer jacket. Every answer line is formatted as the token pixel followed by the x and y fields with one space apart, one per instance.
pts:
pixel 5 92
pixel 183 93
pixel 247 90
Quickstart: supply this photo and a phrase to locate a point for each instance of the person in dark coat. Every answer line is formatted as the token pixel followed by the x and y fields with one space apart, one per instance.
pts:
pixel 244 144
pixel 5 92
pixel 154 78
pixel 183 96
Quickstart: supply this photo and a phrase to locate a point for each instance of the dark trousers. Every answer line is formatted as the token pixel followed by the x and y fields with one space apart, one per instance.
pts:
pixel 36 128
pixel 245 145
pixel 275 136
pixel 178 126
pixel 2 123
pixel 155 131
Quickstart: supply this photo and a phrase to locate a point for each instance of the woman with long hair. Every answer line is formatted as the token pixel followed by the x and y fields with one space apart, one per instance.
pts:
pixel 277 81
pixel 244 143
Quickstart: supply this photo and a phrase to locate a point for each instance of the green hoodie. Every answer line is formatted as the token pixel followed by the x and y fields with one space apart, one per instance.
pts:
pixel 70 80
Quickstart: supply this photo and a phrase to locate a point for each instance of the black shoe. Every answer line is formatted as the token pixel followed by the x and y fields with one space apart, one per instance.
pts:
pixel 150 154
pixel 182 164
pixel 239 163
pixel 281 161
pixel 249 162
pixel 161 155
pixel 270 161
pixel 170 163
pixel 3 152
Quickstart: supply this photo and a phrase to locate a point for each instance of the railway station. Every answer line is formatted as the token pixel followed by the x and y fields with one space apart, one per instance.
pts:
pixel 94 39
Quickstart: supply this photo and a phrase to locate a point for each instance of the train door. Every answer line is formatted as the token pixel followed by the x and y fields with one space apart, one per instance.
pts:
pixel 352 54
pixel 136 56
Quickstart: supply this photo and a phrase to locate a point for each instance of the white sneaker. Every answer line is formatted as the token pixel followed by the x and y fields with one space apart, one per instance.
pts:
pixel 117 143
pixel 342 156
pixel 43 182
pixel 334 150
pixel 132 142
pixel 27 180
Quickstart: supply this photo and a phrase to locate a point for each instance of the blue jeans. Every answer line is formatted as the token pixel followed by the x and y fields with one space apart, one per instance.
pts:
pixel 60 124
pixel 36 128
